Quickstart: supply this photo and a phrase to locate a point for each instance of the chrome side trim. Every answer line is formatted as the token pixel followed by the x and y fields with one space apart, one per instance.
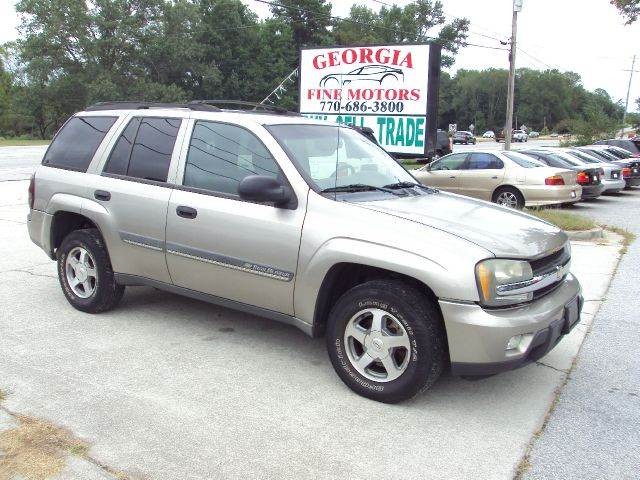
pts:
pixel 536 283
pixel 229 262
pixel 140 241
pixel 135 280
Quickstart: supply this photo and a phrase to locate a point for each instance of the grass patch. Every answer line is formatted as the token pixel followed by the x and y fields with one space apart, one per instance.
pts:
pixel 564 220
pixel 627 237
pixel 35 449
pixel 22 143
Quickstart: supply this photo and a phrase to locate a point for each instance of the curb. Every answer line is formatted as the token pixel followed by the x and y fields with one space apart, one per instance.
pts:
pixel 592 234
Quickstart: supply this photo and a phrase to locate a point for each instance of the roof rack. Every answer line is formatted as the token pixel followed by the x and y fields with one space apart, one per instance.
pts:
pixel 126 105
pixel 255 107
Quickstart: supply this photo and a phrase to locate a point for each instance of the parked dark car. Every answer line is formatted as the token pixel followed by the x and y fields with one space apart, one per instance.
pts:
pixel 632 145
pixel 444 145
pixel 464 137
pixel 587 176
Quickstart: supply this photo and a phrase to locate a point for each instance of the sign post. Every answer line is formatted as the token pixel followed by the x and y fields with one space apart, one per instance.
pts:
pixel 392 89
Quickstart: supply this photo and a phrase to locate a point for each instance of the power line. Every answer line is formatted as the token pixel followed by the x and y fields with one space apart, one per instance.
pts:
pixel 552 67
pixel 383 3
pixel 466 44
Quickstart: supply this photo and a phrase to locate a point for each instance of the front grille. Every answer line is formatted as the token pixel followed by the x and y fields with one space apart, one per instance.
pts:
pixel 548 264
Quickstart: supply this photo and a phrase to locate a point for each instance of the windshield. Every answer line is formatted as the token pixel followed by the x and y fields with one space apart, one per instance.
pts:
pixel 334 156
pixel 523 160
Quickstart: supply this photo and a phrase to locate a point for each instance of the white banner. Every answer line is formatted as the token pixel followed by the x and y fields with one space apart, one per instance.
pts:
pixel 381 87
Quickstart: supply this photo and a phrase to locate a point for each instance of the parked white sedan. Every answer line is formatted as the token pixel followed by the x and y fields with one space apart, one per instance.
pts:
pixel 507 178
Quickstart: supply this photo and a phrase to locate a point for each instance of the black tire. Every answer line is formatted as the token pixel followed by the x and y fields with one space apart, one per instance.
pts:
pixel 514 191
pixel 107 293
pixel 422 323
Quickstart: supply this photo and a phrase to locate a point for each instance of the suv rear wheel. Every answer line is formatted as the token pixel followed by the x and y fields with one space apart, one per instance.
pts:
pixel 386 340
pixel 85 272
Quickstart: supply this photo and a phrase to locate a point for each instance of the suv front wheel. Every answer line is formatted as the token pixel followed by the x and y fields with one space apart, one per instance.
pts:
pixel 85 272
pixel 386 340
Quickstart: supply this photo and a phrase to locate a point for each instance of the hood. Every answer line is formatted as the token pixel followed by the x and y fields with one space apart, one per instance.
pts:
pixel 505 233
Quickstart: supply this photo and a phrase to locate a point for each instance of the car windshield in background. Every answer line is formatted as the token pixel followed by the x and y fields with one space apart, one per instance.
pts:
pixel 522 160
pixel 339 157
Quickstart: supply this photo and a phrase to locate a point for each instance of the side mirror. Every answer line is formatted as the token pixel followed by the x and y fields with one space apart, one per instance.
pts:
pixel 428 169
pixel 261 188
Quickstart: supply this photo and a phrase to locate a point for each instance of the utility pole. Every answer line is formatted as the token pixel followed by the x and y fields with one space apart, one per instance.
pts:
pixel 517 7
pixel 626 104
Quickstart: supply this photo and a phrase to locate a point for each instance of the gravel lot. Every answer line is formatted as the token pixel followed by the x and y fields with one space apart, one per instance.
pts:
pixel 167 387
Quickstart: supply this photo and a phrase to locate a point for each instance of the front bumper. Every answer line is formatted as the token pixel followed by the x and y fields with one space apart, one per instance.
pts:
pixel 478 337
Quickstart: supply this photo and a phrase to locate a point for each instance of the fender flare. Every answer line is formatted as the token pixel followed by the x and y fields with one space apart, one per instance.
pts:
pixel 347 250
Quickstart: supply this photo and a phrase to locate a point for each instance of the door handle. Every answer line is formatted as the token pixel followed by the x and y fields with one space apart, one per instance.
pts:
pixel 102 195
pixel 495 177
pixel 452 176
pixel 186 212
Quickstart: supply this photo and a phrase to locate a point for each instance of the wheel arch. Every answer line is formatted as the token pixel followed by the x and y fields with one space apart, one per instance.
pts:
pixel 345 275
pixel 503 187
pixel 63 223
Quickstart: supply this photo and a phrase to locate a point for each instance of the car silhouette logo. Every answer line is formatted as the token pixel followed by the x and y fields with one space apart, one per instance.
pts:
pixel 369 73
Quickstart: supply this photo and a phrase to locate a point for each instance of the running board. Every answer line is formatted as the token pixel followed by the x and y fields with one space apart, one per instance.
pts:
pixel 135 280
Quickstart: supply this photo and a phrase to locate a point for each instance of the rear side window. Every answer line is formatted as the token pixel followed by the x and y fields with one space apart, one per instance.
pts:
pixel 485 161
pixel 76 143
pixel 221 155
pixel 144 149
pixel 450 162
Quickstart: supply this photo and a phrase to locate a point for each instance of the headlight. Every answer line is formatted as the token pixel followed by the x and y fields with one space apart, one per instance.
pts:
pixel 494 273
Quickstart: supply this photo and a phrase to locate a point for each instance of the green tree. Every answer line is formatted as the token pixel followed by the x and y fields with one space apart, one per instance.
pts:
pixel 414 23
pixel 309 20
pixel 630 9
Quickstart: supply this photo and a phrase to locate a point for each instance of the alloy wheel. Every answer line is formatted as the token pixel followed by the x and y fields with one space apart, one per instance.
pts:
pixel 507 199
pixel 81 272
pixel 377 345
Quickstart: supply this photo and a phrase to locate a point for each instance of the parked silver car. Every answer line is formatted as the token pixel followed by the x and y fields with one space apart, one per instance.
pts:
pixel 303 222
pixel 506 178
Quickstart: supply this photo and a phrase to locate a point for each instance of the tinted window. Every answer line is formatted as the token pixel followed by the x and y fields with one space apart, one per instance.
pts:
pixel 118 162
pixel 77 142
pixel 550 159
pixel 152 149
pixel 221 155
pixel 484 161
pixel 450 162
pixel 522 160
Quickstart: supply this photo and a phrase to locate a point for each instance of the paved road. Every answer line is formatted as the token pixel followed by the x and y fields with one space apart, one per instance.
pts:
pixel 18 163
pixel 167 387
pixel 500 146
pixel 594 431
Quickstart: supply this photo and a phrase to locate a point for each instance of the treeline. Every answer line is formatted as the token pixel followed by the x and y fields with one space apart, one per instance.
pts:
pixel 552 99
pixel 73 53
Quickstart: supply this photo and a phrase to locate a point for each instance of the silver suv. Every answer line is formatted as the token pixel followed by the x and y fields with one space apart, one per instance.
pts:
pixel 303 222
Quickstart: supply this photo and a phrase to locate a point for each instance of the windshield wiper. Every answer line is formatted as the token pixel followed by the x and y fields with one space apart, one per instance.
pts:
pixel 410 185
pixel 357 187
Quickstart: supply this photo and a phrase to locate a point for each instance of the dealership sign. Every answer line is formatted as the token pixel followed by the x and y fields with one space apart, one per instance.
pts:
pixel 391 89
